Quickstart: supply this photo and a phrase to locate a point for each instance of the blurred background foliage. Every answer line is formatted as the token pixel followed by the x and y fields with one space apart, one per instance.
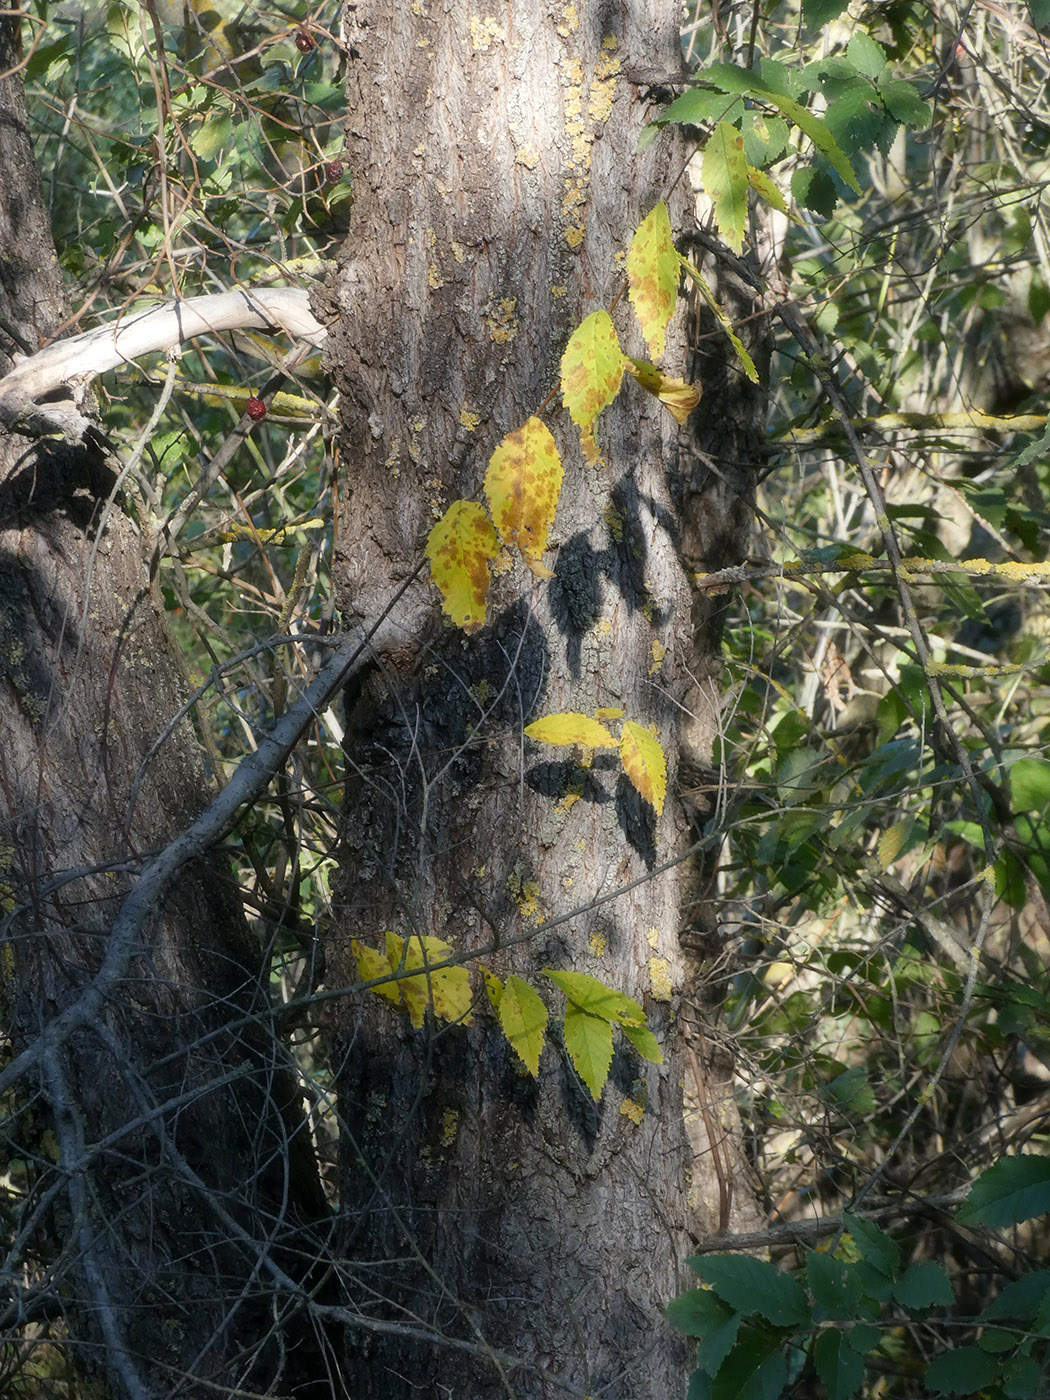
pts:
pixel 882 978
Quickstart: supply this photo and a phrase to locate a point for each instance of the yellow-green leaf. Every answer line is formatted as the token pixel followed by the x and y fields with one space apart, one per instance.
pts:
pixel 459 548
pixel 588 1040
pixel 591 371
pixel 371 963
pixel 571 728
pixel 595 997
pixel 723 320
pixel 765 188
pixel 679 397
pixel 493 986
pixel 643 1040
pixel 652 276
pixel 644 763
pixel 522 486
pixel 724 172
pixel 523 1017
pixel 446 992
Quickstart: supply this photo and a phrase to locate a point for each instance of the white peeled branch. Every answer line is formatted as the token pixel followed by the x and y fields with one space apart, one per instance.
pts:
pixel 69 365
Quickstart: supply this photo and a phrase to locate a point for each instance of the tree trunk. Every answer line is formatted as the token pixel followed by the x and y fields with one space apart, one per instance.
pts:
pixel 167 1157
pixel 513 1236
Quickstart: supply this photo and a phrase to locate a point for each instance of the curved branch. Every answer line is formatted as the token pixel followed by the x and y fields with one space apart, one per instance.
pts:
pixel 69 365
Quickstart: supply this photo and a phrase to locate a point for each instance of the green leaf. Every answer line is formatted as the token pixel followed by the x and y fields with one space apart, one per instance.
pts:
pixel 523 1017
pixel 643 1040
pixel 1022 1378
pixel 904 104
pixel 814 189
pixel 835 1285
pixel 839 1367
pixel 867 56
pixel 697 106
pixel 724 173
pixel 754 1286
pixel 698 1312
pixel 924 1285
pixel 1013 1190
pixel 731 78
pixel 588 1040
pixel 961 1371
pixel 863 1337
pixel 1029 781
pixel 817 14
pixel 874 1245
pixel 212 136
pixel 755 1369
pixel 1021 1299
pixel 595 997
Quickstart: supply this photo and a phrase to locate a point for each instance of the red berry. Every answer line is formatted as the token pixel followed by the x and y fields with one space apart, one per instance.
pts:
pixel 255 409
pixel 334 171
pixel 304 42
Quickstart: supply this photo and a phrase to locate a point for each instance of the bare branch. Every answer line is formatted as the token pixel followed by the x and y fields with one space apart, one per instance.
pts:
pixel 71 364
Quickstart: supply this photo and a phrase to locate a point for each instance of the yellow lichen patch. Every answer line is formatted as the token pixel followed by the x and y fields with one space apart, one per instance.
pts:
pixel 527 156
pixel 502 320
pixel 526 895
pixel 634 1111
pixel 660 979
pixel 570 20
pixel 614 520
pixel 603 89
pixel 485 32
pixel 449 1127
pixel 659 651
pixel 599 943
pixel 458 251
pixel 469 419
pixel 559 290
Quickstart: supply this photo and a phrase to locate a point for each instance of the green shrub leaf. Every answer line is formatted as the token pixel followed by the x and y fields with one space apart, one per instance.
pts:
pixel 1013 1190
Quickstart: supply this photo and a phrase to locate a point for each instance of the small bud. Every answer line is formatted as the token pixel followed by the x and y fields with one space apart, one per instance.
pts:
pixel 304 42
pixel 334 171
pixel 255 409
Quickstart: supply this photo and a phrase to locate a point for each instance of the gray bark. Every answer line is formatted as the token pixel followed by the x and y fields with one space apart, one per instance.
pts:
pixel 496 182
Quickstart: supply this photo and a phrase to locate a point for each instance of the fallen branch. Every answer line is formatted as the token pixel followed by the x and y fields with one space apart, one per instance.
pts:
pixel 44 395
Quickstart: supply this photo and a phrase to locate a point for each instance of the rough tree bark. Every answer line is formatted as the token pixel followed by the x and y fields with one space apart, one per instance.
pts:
pixel 151 1130
pixel 534 1233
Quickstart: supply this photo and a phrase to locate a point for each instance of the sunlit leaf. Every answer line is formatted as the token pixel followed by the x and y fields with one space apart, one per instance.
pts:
pixel 588 1040
pixel 724 172
pixel 371 963
pixel 571 728
pixel 652 276
pixel 1012 1190
pixel 591 371
pixel 522 486
pixel 644 763
pixel 591 995
pixel 643 1040
pixel 679 397
pixel 523 1017
pixel 459 548
pixel 446 991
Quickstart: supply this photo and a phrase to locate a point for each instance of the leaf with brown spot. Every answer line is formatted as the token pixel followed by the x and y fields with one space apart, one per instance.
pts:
pixel 459 548
pixel 652 276
pixel 677 396
pixel 591 373
pixel 522 486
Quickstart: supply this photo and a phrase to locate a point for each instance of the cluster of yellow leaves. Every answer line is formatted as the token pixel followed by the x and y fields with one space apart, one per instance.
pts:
pixel 524 477
pixel 640 751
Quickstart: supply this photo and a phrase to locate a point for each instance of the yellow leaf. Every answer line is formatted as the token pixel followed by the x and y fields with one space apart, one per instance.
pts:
pixel 679 397
pixel 723 320
pixel 652 276
pixel 765 189
pixel 459 547
pixel 522 486
pixel 571 728
pixel 446 992
pixel 493 986
pixel 644 763
pixel 591 371
pixel 371 963
pixel 523 1018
